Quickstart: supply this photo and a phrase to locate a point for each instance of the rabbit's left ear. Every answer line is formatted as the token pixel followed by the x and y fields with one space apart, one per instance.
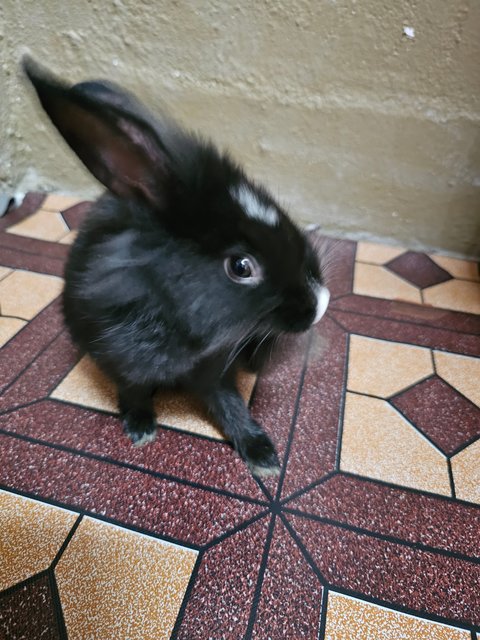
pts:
pixel 118 146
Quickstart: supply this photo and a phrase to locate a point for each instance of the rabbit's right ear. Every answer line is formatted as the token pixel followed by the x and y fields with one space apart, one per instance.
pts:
pixel 119 147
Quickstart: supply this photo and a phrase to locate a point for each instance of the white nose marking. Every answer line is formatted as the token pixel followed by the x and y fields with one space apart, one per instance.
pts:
pixel 323 298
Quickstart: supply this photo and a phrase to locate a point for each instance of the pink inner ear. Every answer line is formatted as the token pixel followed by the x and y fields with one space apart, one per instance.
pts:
pixel 119 154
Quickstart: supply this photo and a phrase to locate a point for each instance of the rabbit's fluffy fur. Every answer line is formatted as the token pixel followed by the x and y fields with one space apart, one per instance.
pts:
pixel 184 270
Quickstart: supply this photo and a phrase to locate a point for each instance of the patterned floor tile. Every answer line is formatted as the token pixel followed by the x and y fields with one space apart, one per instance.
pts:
pixel 377 501
pixel 441 413
pixel 390 572
pixel 31 534
pixel 466 473
pixel 381 368
pixel 115 583
pixel 378 442
pixel 461 372
pixel 394 512
pixel 462 269
pixel 56 202
pixel 455 294
pixel 69 238
pixel 221 599
pixel 9 327
pixel 377 253
pixel 349 617
pixel 376 281
pixel 291 601
pixel 23 294
pixel 44 225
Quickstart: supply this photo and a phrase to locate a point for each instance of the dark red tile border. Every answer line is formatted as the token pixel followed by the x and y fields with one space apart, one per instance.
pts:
pixel 29 342
pixel 276 394
pixel 314 441
pixel 44 374
pixel 42 248
pixel 178 512
pixel 421 335
pixel 395 512
pixel 220 602
pixel 173 454
pixel 415 314
pixel 422 581
pixel 31 262
pixel 291 600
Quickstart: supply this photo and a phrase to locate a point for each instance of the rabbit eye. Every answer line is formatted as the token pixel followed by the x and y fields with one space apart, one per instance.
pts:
pixel 242 269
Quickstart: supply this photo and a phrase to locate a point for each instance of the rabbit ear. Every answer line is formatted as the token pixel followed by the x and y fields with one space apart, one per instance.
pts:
pixel 118 146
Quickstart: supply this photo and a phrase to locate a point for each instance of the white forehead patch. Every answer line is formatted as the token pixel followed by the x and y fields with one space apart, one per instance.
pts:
pixel 253 207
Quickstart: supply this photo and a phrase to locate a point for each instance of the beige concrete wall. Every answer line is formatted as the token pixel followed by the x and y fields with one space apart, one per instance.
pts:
pixel 349 121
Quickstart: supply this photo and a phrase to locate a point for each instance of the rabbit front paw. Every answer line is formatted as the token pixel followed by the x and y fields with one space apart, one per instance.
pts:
pixel 259 454
pixel 139 427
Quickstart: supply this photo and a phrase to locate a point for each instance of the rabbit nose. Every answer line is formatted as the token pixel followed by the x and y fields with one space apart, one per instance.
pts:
pixel 323 297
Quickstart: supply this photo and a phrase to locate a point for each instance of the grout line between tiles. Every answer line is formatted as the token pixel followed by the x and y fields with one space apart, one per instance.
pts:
pixel 323 614
pixel 101 518
pixel 66 542
pixel 9 315
pixel 5 412
pixel 132 467
pixel 385 537
pixel 186 597
pixel 308 487
pixel 341 412
pixel 418 430
pixel 263 488
pixel 451 478
pixel 434 364
pixel 395 395
pixel 261 573
pixel 234 530
pixel 464 446
pixel 294 416
pixel 57 605
pixel 304 550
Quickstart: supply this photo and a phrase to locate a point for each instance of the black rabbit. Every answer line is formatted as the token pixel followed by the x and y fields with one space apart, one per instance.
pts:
pixel 182 269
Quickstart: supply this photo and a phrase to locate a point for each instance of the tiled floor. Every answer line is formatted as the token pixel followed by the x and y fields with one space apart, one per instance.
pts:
pixel 372 530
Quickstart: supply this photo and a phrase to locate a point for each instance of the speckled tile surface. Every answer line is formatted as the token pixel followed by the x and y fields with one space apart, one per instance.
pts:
pixel 372 529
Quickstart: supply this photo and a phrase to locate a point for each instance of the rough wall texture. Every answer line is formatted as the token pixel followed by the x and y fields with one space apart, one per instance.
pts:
pixel 354 124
